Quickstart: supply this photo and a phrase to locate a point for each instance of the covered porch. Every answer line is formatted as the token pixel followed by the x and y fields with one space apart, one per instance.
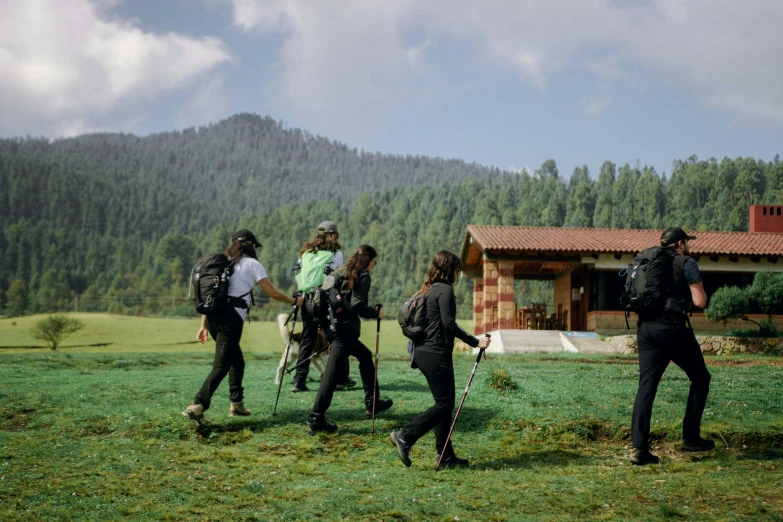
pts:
pixel 584 266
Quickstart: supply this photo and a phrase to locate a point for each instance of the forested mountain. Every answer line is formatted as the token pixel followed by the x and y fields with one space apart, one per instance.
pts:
pixel 118 220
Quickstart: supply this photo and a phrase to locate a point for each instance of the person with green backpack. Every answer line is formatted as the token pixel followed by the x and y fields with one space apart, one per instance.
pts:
pixel 318 257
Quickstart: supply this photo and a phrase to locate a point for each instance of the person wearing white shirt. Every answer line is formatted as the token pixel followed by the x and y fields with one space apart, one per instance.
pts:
pixel 225 326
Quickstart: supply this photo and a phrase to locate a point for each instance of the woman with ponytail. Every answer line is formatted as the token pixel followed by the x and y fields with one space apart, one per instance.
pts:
pixel 353 279
pixel 433 358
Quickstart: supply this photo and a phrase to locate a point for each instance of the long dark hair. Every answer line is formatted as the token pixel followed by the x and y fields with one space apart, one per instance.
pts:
pixel 443 269
pixel 322 241
pixel 359 261
pixel 240 248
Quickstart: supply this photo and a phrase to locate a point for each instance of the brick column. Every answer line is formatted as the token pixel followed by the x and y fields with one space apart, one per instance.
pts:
pixel 478 306
pixel 490 292
pixel 506 295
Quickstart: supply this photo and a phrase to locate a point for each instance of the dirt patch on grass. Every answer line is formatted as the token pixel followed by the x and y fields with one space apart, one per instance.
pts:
pixel 12 419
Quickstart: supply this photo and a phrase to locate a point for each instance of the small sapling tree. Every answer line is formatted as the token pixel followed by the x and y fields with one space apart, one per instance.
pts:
pixel 55 329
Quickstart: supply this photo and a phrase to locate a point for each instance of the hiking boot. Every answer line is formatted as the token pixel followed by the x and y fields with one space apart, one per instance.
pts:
pixel 380 405
pixel 402 447
pixel 349 383
pixel 299 387
pixel 452 461
pixel 237 408
pixel 697 444
pixel 318 424
pixel 195 412
pixel 641 457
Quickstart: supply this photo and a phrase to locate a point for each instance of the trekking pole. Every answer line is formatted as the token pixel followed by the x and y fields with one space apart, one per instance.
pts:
pixel 316 354
pixel 456 416
pixel 293 314
pixel 375 381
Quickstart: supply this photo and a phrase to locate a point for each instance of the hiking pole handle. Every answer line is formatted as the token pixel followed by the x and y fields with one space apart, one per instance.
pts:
pixel 378 326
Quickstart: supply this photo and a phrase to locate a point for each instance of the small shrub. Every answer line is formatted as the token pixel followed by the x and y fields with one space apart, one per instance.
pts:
pixel 54 329
pixel 501 380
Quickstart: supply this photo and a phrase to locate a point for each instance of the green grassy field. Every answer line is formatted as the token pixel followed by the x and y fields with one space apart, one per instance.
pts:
pixel 106 333
pixel 95 433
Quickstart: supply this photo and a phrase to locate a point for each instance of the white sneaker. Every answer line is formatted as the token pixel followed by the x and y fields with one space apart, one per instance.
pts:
pixel 237 408
pixel 195 412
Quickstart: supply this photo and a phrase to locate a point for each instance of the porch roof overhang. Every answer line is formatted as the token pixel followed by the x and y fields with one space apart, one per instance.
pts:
pixel 542 252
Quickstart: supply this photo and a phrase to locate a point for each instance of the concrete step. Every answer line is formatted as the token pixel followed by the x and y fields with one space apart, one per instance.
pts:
pixel 585 342
pixel 525 341
pixel 547 341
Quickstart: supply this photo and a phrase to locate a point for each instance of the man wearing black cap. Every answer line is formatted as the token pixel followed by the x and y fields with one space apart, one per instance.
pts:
pixel 663 336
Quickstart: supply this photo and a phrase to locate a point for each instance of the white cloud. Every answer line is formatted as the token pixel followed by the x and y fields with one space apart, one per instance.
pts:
pixel 209 103
pixel 65 64
pixel 596 104
pixel 351 60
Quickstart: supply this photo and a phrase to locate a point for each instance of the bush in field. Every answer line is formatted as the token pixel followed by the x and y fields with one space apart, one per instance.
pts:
pixel 731 302
pixel 55 329
pixel 501 380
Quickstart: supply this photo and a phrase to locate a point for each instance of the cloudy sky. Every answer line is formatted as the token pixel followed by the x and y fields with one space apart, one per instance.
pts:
pixel 508 83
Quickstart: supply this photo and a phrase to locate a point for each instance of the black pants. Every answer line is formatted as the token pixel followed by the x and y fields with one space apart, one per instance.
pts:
pixel 309 335
pixel 346 344
pixel 658 344
pixel 438 368
pixel 226 329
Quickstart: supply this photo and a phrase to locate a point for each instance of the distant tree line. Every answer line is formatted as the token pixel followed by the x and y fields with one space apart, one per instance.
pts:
pixel 109 217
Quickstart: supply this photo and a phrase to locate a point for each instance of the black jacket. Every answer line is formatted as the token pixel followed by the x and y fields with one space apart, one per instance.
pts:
pixel 359 300
pixel 442 327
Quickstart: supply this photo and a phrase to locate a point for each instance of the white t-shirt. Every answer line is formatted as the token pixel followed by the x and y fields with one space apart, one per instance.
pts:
pixel 247 273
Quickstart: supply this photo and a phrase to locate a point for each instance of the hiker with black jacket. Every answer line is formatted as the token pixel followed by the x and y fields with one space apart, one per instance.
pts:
pixel 225 326
pixel 433 356
pixel 665 335
pixel 353 279
pixel 318 257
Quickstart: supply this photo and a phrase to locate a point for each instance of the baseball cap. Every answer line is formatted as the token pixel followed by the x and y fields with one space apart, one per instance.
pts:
pixel 327 227
pixel 674 235
pixel 245 235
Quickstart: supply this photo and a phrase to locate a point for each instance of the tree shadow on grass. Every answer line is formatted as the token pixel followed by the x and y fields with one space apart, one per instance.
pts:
pixel 536 459
pixel 470 419
pixel 761 454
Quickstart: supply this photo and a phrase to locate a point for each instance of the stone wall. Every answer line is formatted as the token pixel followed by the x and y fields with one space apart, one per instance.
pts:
pixel 712 345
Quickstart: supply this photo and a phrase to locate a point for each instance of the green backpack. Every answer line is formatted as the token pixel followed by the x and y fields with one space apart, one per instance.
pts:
pixel 313 271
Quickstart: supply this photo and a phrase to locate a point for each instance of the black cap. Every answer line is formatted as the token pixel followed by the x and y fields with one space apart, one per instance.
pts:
pixel 327 227
pixel 245 235
pixel 674 235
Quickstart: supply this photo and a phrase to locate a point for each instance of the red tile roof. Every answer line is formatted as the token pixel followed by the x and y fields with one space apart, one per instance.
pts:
pixel 617 241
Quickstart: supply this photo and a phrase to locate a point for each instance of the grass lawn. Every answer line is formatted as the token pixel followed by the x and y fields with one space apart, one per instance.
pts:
pixel 95 433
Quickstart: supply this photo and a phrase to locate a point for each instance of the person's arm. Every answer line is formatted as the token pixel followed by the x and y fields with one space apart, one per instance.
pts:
pixel 270 290
pixel 448 316
pixel 693 277
pixel 698 295
pixel 201 336
pixel 359 297
pixel 337 262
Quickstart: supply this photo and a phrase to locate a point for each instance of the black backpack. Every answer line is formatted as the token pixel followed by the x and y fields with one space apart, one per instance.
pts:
pixel 647 282
pixel 330 306
pixel 209 284
pixel 412 317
